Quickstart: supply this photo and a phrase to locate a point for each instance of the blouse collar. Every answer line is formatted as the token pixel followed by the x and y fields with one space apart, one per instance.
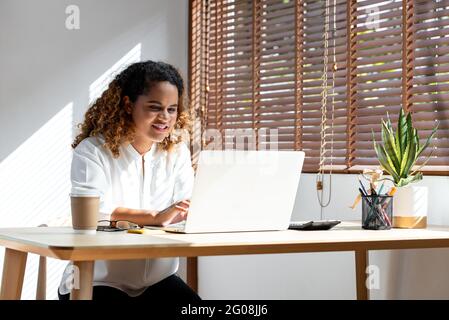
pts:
pixel 136 155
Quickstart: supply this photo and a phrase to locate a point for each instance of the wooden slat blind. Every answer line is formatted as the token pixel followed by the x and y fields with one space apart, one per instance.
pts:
pixel 263 61
pixel 313 65
pixel 198 68
pixel 430 90
pixel 378 79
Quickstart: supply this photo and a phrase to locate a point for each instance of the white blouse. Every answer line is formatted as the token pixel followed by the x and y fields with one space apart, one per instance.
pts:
pixel 153 182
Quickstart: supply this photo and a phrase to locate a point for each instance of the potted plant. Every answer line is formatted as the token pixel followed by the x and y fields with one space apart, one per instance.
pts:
pixel 397 155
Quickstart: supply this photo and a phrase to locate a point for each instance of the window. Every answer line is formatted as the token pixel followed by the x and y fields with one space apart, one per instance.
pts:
pixel 259 65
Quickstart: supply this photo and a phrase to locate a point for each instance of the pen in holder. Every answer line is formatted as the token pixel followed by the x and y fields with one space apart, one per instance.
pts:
pixel 377 212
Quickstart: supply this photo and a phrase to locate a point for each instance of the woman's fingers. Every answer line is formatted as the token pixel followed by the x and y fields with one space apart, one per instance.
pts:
pixel 177 214
pixel 180 217
pixel 174 211
pixel 180 208
pixel 184 203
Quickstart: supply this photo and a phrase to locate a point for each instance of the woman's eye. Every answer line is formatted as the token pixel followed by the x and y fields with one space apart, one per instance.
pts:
pixel 159 109
pixel 154 108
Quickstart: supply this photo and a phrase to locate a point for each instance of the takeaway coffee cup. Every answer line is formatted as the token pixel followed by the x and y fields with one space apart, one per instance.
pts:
pixel 84 213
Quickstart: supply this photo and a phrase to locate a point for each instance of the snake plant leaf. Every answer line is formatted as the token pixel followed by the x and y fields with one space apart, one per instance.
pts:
pixel 397 141
pixel 390 163
pixel 405 181
pixel 426 144
pixel 409 128
pixel 392 152
pixel 411 159
pixel 390 128
pixel 383 160
pixel 399 151
pixel 401 133
pixel 404 160
pixel 424 163
pixel 389 125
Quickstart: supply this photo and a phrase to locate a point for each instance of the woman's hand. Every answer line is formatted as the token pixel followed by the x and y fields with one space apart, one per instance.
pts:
pixel 177 212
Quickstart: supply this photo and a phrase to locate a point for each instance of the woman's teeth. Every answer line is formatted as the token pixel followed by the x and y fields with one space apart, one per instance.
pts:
pixel 160 126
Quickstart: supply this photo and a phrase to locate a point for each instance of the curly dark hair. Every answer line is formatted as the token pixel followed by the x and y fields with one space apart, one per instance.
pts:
pixel 107 115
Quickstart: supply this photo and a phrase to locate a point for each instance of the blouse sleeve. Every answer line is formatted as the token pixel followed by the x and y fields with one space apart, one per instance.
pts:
pixel 88 177
pixel 184 175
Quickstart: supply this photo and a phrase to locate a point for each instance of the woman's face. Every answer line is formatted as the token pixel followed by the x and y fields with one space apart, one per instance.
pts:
pixel 155 113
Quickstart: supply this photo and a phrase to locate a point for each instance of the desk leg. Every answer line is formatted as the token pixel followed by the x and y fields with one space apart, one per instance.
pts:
pixel 86 273
pixel 361 262
pixel 13 272
pixel 192 273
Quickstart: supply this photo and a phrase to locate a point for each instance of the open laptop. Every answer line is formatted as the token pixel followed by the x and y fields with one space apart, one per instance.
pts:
pixel 242 191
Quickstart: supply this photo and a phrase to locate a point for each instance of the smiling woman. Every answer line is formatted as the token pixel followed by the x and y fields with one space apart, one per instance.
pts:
pixel 126 154
pixel 127 107
pixel 156 113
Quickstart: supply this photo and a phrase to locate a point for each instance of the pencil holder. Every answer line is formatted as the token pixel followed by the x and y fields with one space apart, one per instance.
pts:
pixel 377 212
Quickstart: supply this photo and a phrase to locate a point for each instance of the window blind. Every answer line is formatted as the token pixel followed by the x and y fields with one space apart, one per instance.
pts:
pixel 258 66
pixel 429 93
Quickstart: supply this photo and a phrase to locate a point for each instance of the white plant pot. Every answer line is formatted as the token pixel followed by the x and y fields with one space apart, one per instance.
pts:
pixel 410 207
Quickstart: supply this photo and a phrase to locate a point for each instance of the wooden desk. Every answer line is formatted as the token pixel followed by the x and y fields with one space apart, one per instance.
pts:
pixel 62 243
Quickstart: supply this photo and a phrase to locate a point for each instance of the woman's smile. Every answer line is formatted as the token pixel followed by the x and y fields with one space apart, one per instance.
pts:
pixel 160 127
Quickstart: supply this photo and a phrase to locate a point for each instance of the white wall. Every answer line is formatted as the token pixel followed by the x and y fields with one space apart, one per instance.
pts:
pixel 47 75
pixel 404 274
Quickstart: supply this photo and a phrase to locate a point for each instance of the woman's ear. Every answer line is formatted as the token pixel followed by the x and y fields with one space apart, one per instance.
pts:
pixel 127 105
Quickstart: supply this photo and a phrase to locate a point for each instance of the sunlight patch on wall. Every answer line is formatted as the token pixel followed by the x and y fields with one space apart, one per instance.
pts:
pixel 101 84
pixel 34 189
pixel 36 176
